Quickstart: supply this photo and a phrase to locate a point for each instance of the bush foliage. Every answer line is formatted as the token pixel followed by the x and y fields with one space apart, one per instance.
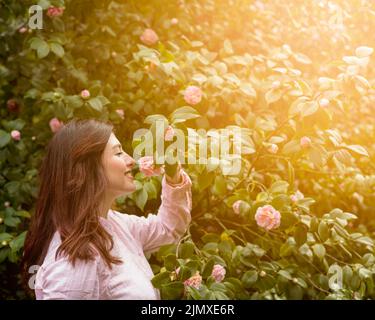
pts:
pixel 279 71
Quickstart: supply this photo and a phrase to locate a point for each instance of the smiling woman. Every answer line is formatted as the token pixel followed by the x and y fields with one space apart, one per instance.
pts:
pixel 86 250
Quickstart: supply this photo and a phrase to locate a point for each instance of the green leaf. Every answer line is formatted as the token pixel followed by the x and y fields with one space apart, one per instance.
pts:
pixel 17 243
pixel 323 231
pixel 184 113
pixel 285 274
pixel 57 49
pixel 291 147
pixel 160 279
pixel 170 262
pixel 300 234
pixel 319 250
pixel 249 278
pixel 155 117
pixel 273 95
pixel 141 197
pixel 248 89
pixel 96 104
pixel 358 149
pixel 4 138
pixel 309 108
pixel 279 187
pixel 172 290
pixel 186 250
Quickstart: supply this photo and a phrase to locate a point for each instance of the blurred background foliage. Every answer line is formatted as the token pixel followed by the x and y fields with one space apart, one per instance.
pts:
pixel 280 71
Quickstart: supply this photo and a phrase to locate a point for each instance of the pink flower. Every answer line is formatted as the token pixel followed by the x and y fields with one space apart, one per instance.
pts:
pixel 149 37
pixel 148 168
pixel 194 281
pixel 193 95
pixel 121 113
pixel 12 105
pixel 273 148
pixel 85 94
pixel 268 217
pixel 174 21
pixel 22 30
pixel 169 134
pixel 55 11
pixel 16 135
pixel 218 273
pixel 237 206
pixel 305 142
pixel 297 196
pixel 55 124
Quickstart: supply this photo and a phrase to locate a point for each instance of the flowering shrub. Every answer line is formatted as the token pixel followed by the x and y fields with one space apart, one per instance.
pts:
pixel 297 222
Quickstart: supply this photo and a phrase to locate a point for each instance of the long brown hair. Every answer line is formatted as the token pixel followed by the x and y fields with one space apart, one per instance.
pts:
pixel 72 186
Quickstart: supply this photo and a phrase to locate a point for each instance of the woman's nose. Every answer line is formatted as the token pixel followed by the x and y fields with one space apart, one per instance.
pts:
pixel 130 162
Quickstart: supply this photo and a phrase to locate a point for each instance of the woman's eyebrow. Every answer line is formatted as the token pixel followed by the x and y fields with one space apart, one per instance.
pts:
pixel 117 145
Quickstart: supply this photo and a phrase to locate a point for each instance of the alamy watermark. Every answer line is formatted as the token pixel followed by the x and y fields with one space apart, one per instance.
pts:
pixel 35 17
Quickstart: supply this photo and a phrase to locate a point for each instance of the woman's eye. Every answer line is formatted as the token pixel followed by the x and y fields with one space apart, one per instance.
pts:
pixel 119 153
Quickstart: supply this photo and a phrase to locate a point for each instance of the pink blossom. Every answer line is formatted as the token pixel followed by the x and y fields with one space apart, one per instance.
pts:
pixel 12 105
pixel 148 168
pixel 218 273
pixel 85 94
pixel 297 196
pixel 305 142
pixel 121 113
pixel 268 217
pixel 237 206
pixel 273 148
pixel 174 21
pixel 22 30
pixel 169 134
pixel 194 281
pixel 55 11
pixel 193 95
pixel 16 135
pixel 149 37
pixel 55 124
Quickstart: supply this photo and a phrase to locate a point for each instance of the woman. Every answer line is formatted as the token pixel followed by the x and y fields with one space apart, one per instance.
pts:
pixel 85 249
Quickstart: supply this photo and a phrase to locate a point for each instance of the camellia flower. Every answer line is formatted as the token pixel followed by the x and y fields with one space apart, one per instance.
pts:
pixel 218 273
pixel 193 95
pixel 195 281
pixel 268 217
pixel 273 148
pixel 55 11
pixel 305 142
pixel 55 124
pixel 169 134
pixel 121 113
pixel 85 94
pixel 12 105
pixel 148 168
pixel 237 206
pixel 297 196
pixel 149 37
pixel 16 135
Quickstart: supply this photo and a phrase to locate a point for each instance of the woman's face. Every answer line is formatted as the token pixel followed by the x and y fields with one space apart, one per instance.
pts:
pixel 117 165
